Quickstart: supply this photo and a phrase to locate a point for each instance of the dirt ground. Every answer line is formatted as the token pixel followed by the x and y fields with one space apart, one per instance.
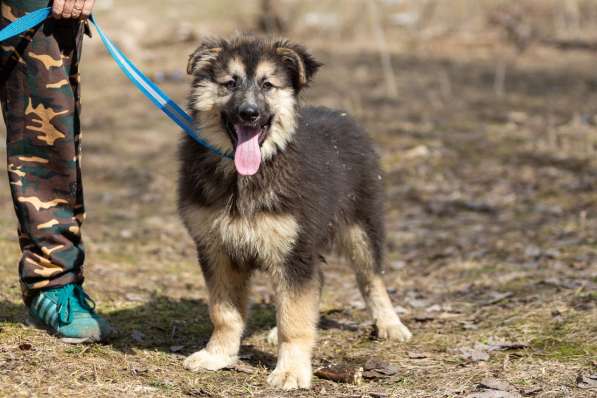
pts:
pixel 491 220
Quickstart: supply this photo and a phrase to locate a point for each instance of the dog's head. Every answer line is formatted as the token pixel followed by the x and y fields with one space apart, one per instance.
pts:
pixel 245 95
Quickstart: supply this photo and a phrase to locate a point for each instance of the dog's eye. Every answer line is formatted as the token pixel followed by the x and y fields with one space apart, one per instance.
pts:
pixel 231 84
pixel 267 86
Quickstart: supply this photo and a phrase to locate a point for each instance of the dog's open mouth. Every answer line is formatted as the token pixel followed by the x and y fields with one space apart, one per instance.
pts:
pixel 247 141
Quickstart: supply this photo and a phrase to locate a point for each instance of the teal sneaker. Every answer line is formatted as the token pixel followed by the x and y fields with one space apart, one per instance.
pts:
pixel 69 313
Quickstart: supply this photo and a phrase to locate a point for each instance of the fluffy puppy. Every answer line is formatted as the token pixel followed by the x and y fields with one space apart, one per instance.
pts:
pixel 302 181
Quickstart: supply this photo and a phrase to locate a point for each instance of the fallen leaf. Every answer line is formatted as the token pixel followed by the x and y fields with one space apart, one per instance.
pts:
pixel 533 252
pixel 531 391
pixel 552 253
pixel 424 317
pixel 493 394
pixel 497 384
pixel 25 346
pixel 506 346
pixel 416 355
pixel 326 323
pixel 587 382
pixel 496 297
pixel 434 308
pixel 562 283
pixel 376 368
pixel 138 371
pixel 449 315
pixel 416 300
pixel 468 325
pixel 198 392
pixel 475 354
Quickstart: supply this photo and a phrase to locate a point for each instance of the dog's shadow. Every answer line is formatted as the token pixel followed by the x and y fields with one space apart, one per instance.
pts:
pixel 179 327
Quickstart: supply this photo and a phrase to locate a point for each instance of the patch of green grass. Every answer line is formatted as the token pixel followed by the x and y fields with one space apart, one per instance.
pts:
pixel 566 341
pixel 162 385
pixel 262 317
pixel 561 350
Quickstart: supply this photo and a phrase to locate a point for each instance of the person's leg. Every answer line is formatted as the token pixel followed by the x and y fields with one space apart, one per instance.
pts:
pixel 41 108
pixel 39 85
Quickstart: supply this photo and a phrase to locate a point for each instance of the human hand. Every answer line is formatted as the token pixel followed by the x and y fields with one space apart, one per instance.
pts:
pixel 74 9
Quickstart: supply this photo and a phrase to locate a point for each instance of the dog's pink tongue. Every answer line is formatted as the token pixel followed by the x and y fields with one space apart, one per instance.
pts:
pixel 247 157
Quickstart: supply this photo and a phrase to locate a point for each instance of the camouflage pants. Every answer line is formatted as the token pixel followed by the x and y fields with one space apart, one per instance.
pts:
pixel 39 90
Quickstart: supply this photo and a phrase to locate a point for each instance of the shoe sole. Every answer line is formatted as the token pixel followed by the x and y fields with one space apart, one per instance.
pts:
pixel 68 340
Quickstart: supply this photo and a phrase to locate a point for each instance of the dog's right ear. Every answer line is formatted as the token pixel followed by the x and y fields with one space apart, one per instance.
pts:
pixel 204 56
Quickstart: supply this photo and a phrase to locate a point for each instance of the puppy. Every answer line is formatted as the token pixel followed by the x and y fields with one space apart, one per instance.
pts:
pixel 303 180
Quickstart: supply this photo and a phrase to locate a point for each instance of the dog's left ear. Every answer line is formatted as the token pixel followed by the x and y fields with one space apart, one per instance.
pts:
pixel 301 64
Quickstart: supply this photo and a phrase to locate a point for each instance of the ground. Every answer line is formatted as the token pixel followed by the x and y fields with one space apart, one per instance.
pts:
pixel 491 227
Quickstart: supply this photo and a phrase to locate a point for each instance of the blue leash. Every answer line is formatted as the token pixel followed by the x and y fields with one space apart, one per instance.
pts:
pixel 159 98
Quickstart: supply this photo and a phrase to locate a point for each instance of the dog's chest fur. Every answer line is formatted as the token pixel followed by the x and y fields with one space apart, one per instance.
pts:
pixel 248 221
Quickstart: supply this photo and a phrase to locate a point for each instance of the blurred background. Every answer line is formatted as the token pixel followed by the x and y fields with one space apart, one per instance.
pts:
pixel 484 113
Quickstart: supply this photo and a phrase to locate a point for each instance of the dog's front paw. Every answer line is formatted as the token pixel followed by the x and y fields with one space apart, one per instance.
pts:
pixel 290 378
pixel 393 331
pixel 205 360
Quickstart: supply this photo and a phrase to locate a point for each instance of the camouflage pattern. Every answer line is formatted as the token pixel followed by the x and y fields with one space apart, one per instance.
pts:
pixel 39 89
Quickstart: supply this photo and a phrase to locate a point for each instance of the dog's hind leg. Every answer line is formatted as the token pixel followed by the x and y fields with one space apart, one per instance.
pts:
pixel 360 249
pixel 297 312
pixel 228 291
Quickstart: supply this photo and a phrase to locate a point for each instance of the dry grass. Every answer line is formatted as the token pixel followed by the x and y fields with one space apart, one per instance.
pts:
pixel 487 197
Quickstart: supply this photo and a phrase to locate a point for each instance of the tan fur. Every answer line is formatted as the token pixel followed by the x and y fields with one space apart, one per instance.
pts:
pixel 228 291
pixel 269 237
pixel 293 57
pixel 297 312
pixel 283 105
pixel 202 59
pixel 354 244
pixel 237 67
pixel 209 98
pixel 267 70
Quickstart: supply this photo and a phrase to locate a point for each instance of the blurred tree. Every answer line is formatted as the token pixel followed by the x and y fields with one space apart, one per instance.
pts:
pixel 270 20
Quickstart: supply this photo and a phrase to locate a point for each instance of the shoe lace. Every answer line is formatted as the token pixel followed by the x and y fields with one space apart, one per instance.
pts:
pixel 72 298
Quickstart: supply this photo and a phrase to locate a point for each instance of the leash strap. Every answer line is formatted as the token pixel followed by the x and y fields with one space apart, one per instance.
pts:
pixel 151 90
pixel 25 23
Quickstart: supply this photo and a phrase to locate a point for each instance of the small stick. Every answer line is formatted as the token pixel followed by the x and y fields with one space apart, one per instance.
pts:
pixel 341 374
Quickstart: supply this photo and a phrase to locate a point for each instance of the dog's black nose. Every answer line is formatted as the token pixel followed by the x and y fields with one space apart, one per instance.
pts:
pixel 248 113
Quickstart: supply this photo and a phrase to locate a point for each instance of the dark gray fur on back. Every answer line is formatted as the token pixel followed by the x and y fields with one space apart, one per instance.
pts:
pixel 328 177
